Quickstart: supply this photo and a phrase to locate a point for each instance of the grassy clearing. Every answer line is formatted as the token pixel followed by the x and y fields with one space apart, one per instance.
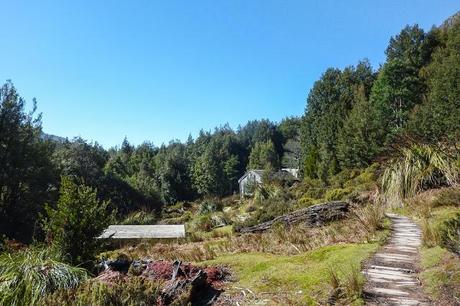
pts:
pixel 301 279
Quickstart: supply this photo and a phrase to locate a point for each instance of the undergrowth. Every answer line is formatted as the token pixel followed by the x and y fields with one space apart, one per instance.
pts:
pixel 131 291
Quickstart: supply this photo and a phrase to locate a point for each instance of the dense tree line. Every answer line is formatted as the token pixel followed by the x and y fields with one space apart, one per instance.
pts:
pixel 355 115
pixel 125 178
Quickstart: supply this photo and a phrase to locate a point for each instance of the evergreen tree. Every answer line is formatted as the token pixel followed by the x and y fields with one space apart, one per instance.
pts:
pixel 27 177
pixel 78 219
pixel 328 105
pixel 399 86
pixel 439 115
pixel 216 168
pixel 359 139
pixel 264 156
pixel 173 173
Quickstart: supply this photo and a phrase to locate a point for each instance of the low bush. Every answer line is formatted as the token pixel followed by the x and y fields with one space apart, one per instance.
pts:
pixel 203 223
pixel 185 217
pixel 429 235
pixel 312 188
pixel 447 197
pixel 337 194
pixel 209 206
pixel 363 180
pixel 449 232
pixel 306 201
pixel 442 228
pixel 140 218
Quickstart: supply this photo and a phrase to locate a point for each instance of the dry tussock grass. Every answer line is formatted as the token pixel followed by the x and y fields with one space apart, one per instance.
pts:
pixel 360 227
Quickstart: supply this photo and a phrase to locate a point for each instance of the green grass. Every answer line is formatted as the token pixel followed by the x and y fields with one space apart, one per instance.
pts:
pixel 304 277
pixel 223 231
pixel 441 274
pixel 438 212
pixel 430 257
pixel 444 213
pixel 441 228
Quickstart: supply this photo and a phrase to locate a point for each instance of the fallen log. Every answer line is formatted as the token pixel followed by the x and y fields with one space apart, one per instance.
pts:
pixel 315 215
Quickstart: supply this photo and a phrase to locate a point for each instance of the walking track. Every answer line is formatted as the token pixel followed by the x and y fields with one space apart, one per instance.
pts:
pixel 391 274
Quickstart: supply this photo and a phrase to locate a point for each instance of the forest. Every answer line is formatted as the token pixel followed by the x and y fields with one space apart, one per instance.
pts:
pixel 58 194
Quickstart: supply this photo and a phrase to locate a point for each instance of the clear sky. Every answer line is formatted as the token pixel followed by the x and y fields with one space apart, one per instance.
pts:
pixel 158 70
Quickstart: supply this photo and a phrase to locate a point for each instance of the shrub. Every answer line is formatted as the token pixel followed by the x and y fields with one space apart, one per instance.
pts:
pixel 139 218
pixel 312 188
pixel 219 220
pixel 449 232
pixel 26 276
pixel 365 180
pixel 185 217
pixel 208 206
pixel 429 236
pixel 204 223
pixel 447 197
pixel 270 209
pixel 442 229
pixel 337 194
pixel 338 180
pixel 76 222
pixel 306 201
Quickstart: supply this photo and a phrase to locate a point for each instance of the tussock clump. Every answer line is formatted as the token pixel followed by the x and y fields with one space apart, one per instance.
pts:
pixel 346 286
pixel 370 216
pixel 28 275
pixel 419 167
pixel 127 291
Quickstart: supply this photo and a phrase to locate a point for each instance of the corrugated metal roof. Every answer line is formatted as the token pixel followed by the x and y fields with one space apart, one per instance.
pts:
pixel 143 231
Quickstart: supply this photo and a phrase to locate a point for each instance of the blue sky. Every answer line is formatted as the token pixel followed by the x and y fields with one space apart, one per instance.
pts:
pixel 158 70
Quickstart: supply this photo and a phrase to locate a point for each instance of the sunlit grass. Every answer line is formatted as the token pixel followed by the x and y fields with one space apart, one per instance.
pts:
pixel 304 277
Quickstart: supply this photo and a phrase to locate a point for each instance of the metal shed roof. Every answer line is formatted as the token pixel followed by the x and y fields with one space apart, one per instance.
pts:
pixel 143 231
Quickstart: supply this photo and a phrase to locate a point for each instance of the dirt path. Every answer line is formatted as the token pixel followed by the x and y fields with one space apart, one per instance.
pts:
pixel 391 274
